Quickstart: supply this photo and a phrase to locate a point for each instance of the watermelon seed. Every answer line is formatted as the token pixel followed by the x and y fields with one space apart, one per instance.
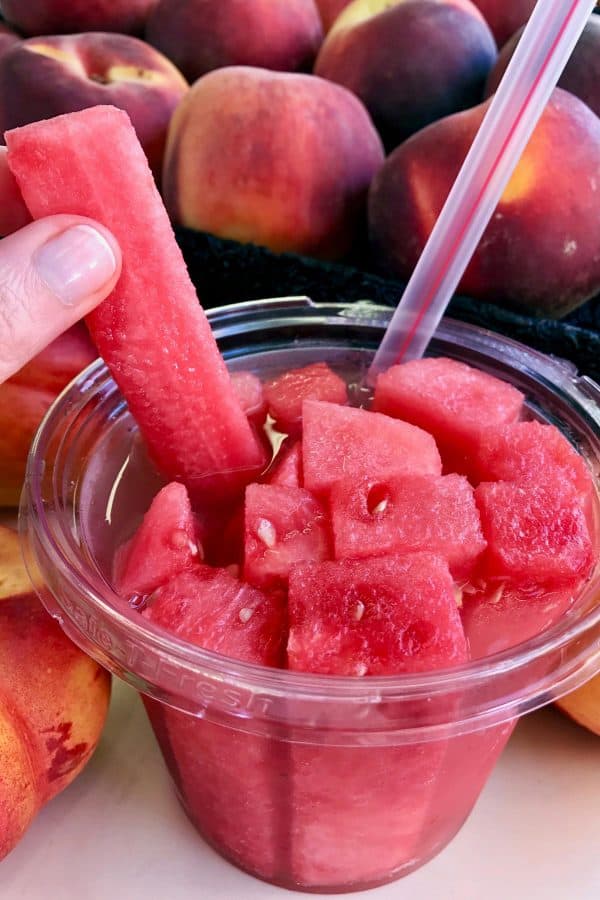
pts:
pixel 458 596
pixel 497 595
pixel 245 614
pixel 361 669
pixel 266 533
pixel 359 610
pixel 377 499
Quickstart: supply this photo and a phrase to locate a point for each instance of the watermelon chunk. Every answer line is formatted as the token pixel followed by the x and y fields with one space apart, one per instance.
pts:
pixel 456 403
pixel 151 331
pixel 283 526
pixel 286 393
pixel 211 608
pixel 535 532
pixel 360 813
pixel 218 768
pixel 377 616
pixel 340 441
pixel 408 514
pixel 249 391
pixel 502 615
pixel 164 545
pixel 287 468
pixel 527 451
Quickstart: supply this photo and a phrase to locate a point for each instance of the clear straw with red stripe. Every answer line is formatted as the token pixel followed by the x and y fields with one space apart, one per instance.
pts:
pixel 545 46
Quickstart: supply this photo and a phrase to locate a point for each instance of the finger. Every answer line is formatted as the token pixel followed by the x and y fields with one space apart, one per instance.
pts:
pixel 52 272
pixel 13 212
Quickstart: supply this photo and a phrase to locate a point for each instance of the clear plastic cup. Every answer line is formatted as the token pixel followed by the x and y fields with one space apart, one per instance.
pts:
pixel 310 782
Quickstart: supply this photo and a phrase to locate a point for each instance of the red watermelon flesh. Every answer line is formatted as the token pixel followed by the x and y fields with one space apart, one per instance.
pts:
pixel 151 331
pixel 283 526
pixel 340 441
pixel 527 451
pixel 456 403
pixel 407 514
pixel 535 532
pixel 287 468
pixel 376 616
pixel 211 608
pixel 286 393
pixel 502 615
pixel 374 805
pixel 164 545
pixel 229 781
pixel 250 393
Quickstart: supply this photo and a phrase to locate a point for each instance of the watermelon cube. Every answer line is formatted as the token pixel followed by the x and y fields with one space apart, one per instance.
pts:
pixel 164 545
pixel 360 813
pixel 283 526
pixel 229 781
pixel 151 331
pixel 341 441
pixel 211 608
pixel 456 403
pixel 527 451
pixel 249 391
pixel 501 615
pixel 376 616
pixel 287 467
pixel 535 532
pixel 407 514
pixel 286 393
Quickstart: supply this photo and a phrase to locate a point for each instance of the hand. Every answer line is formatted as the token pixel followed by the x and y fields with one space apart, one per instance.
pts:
pixel 52 273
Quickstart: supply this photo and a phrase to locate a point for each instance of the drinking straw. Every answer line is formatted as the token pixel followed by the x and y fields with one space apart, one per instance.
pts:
pixel 545 46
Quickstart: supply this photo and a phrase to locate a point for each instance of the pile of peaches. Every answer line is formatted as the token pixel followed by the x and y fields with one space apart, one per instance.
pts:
pixel 330 128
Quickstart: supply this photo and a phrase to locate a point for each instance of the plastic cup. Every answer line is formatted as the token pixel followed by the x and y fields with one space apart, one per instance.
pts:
pixel 310 782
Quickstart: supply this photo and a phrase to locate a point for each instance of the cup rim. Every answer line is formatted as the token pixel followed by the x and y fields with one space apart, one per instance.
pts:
pixel 293 684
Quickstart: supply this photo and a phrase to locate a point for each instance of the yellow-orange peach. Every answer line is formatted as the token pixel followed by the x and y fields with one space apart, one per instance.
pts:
pixel 53 701
pixel 278 159
pixel 47 76
pixel 541 250
pixel 330 10
pixel 583 705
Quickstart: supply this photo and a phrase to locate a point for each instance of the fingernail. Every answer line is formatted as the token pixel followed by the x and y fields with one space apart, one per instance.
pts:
pixel 75 264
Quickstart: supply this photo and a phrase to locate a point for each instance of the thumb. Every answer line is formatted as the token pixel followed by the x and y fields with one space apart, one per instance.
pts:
pixel 52 273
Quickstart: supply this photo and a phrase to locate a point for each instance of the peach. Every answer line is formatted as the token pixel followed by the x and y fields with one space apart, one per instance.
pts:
pixel 44 77
pixel 505 16
pixel 583 705
pixel 34 17
pixel 541 250
pixel 25 399
pixel 201 35
pixel 580 76
pixel 283 160
pixel 330 10
pixel 410 62
pixel 7 37
pixel 53 701
pixel 13 212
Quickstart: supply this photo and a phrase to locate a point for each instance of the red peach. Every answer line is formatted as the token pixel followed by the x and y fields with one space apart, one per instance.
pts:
pixel 7 37
pixel 541 250
pixel 45 77
pixel 505 16
pixel 34 17
pixel 201 35
pixel 410 61
pixel 283 160
pixel 330 10
pixel 580 76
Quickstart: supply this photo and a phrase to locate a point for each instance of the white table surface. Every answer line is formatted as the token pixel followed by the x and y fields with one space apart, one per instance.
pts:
pixel 118 833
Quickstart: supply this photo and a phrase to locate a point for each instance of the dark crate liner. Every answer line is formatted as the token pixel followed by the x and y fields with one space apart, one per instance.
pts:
pixel 228 272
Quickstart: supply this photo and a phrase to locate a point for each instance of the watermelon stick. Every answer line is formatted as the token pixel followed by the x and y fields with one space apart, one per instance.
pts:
pixel 152 332
pixel 544 48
